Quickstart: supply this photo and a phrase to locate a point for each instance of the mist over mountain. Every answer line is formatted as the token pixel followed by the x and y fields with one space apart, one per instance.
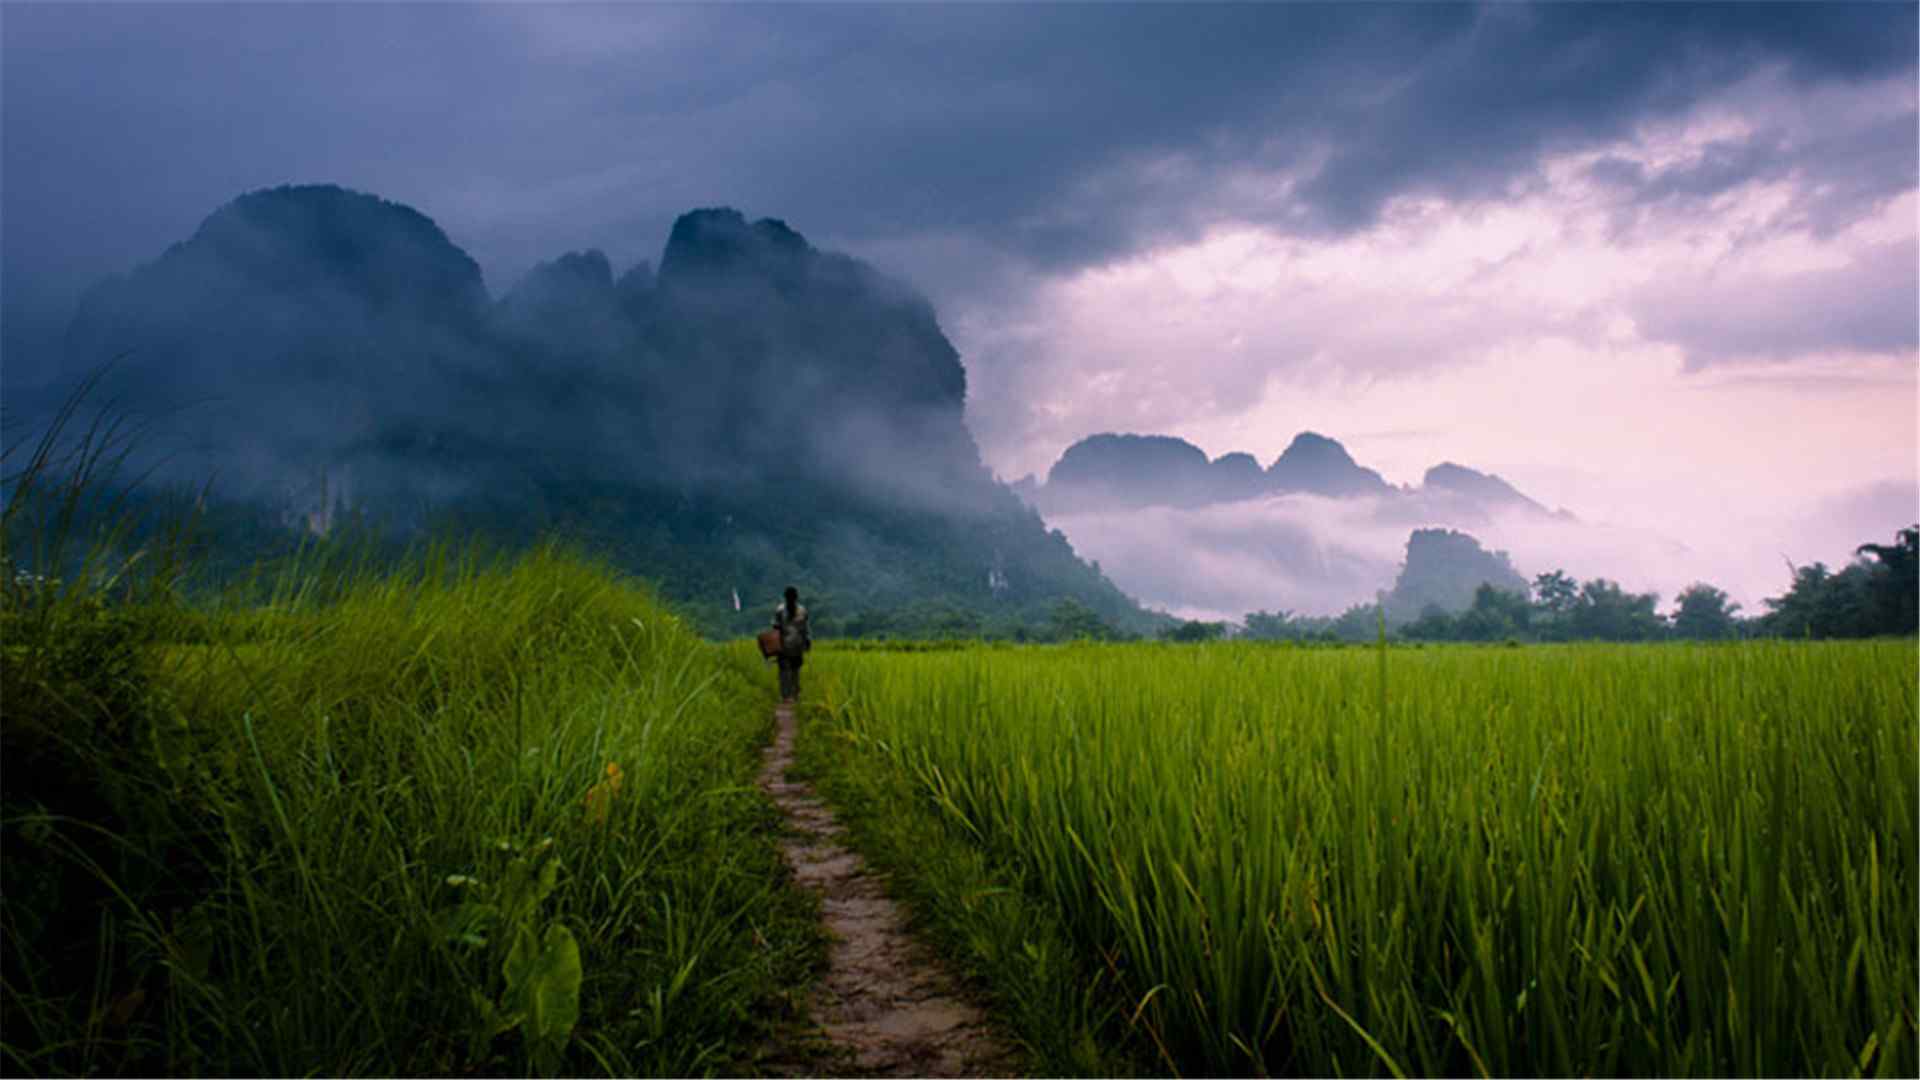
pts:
pixel 1112 472
pixel 570 302
pixel 751 413
pixel 1317 532
pixel 1318 556
pixel 834 370
pixel 295 328
pixel 754 413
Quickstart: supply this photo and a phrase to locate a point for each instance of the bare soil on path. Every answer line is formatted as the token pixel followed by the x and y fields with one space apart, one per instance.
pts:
pixel 885 1006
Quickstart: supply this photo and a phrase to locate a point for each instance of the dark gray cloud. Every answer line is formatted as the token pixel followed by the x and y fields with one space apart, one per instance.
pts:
pixel 961 142
pixel 1474 113
pixel 1839 166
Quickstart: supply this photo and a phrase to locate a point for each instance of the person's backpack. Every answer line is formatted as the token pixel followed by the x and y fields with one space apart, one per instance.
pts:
pixel 793 632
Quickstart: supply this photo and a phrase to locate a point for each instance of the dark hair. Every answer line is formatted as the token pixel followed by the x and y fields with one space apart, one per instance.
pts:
pixel 793 597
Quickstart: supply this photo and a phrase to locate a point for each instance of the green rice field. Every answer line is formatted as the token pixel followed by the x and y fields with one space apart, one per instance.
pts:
pixel 498 816
pixel 1579 860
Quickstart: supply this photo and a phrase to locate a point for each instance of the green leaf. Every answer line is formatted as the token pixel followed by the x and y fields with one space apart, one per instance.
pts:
pixel 549 877
pixel 554 987
pixel 519 965
pixel 553 998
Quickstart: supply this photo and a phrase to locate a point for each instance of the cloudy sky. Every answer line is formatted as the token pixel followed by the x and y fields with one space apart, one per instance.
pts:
pixel 1653 263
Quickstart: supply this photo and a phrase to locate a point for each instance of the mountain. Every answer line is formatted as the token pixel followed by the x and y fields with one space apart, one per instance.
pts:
pixel 1483 488
pixel 294 329
pixel 277 276
pixel 1118 472
pixel 1317 465
pixel 1314 532
pixel 787 360
pixel 755 413
pixel 1234 476
pixel 1442 570
pixel 1130 470
pixel 570 297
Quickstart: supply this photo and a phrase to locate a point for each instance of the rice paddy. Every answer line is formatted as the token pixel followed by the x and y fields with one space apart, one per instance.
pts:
pixel 498 817
pixel 1592 860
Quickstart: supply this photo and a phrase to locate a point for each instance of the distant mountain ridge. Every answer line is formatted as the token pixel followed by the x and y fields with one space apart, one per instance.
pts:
pixel 1317 465
pixel 754 413
pixel 1118 471
pixel 1484 488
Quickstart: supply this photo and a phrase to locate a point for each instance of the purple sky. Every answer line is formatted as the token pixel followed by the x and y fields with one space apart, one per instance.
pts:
pixel 1653 263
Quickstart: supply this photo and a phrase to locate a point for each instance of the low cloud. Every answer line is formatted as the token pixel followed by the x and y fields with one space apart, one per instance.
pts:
pixel 1318 556
pixel 1299 552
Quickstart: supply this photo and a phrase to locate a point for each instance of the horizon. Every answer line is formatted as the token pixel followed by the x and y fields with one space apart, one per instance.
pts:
pixel 1653 265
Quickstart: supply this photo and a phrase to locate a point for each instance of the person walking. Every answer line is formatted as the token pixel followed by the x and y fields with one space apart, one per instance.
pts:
pixel 790 618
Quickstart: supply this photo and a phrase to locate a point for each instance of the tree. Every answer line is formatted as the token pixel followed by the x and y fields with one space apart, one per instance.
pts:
pixel 1876 594
pixel 1193 630
pixel 1433 624
pixel 1275 626
pixel 1554 596
pixel 1071 620
pixel 1823 604
pixel 1702 613
pixel 1495 614
pixel 1556 592
pixel 1895 583
pixel 938 619
pixel 873 624
pixel 1361 622
pixel 1606 611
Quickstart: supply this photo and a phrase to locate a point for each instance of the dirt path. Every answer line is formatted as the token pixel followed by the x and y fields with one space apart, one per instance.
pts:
pixel 885 1005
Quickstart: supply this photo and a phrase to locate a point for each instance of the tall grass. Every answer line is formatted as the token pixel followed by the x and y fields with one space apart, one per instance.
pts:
pixel 464 814
pixel 1559 860
pixel 321 875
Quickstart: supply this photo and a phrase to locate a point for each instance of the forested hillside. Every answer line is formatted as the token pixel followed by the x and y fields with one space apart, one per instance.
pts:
pixel 754 414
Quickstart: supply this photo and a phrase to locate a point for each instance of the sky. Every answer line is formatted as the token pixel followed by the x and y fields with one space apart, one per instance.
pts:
pixel 1652 263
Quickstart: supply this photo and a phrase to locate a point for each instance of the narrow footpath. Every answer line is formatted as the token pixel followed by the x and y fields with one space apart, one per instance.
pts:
pixel 885 1005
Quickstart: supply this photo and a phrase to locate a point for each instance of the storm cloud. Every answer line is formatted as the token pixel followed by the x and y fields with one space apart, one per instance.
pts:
pixel 1224 222
pixel 1056 137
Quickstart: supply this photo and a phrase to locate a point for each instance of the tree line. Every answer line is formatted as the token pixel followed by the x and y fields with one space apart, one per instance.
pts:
pixel 1873 595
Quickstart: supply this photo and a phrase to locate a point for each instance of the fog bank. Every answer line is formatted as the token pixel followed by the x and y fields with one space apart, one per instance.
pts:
pixel 1317 556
